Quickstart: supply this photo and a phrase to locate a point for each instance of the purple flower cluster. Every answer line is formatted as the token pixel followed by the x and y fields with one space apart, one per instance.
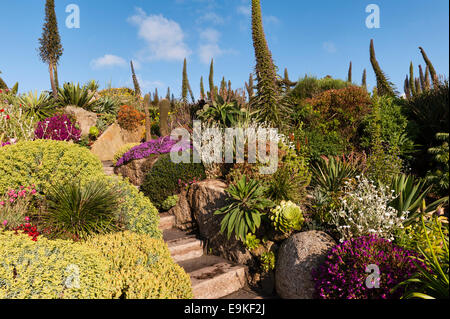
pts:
pixel 4 144
pixel 343 274
pixel 162 145
pixel 58 128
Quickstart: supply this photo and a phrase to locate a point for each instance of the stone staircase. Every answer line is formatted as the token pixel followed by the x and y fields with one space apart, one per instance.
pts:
pixel 211 277
pixel 108 168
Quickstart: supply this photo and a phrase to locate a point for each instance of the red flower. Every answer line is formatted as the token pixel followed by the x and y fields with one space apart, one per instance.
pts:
pixel 2 110
pixel 7 116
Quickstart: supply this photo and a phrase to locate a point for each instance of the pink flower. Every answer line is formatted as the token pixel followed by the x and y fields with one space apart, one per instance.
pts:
pixel 27 219
pixel 2 203
pixel 33 191
pixel 5 222
pixel 11 200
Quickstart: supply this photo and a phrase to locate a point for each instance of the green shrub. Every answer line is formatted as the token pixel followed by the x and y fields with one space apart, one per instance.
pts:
pixel 78 211
pixel 170 202
pixel 439 176
pixel 105 120
pixel 93 132
pixel 136 212
pixel 49 269
pixel 310 86
pixel 393 124
pixel 124 149
pixel 318 143
pixel 163 180
pixel 43 162
pixel 287 217
pixel 428 114
pixel 142 267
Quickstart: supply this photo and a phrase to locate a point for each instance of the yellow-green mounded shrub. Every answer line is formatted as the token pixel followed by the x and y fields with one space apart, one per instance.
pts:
pixel 142 267
pixel 136 212
pixel 43 162
pixel 124 149
pixel 51 269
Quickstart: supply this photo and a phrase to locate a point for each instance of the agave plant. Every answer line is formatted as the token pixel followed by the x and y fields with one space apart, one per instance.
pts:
pixel 107 105
pixel 330 173
pixel 38 106
pixel 78 211
pixel 244 209
pixel 71 94
pixel 410 195
pixel 433 279
pixel 226 113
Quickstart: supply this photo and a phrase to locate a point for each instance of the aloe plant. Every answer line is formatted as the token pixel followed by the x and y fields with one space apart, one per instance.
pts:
pixel 71 94
pixel 38 106
pixel 410 195
pixel 246 205
pixel 331 173
pixel 226 113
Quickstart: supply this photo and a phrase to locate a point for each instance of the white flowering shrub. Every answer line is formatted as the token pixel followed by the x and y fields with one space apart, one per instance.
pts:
pixel 15 124
pixel 365 211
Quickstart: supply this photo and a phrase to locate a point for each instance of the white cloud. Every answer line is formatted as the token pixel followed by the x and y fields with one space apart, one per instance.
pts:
pixel 329 46
pixel 108 60
pixel 164 38
pixel 209 47
pixel 244 10
pixel 210 35
pixel 148 86
pixel 211 17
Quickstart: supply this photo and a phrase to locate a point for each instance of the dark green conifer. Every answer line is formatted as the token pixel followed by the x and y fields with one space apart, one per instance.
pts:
pixel 50 43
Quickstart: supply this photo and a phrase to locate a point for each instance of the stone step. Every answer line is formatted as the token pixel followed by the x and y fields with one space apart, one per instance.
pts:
pixel 166 221
pixel 214 277
pixel 182 246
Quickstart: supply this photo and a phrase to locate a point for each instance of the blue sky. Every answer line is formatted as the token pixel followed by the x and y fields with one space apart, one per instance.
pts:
pixel 316 37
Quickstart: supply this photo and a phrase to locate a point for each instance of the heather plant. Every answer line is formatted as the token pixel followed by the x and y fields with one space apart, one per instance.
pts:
pixel 57 128
pixel 123 150
pixel 162 145
pixel 343 274
pixel 365 210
